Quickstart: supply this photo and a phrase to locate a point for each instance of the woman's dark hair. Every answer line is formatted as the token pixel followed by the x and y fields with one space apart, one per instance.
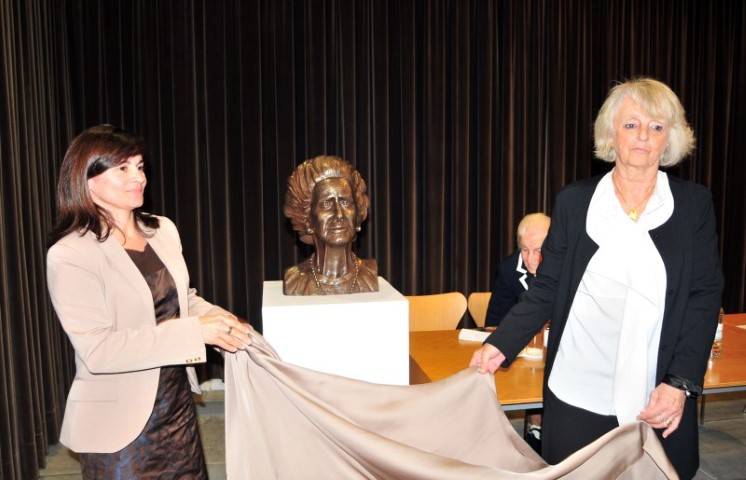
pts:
pixel 90 154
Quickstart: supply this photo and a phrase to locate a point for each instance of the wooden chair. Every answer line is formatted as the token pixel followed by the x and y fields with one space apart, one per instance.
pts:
pixel 478 302
pixel 436 312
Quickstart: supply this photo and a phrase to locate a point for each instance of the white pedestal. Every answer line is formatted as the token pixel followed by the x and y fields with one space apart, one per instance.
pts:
pixel 359 335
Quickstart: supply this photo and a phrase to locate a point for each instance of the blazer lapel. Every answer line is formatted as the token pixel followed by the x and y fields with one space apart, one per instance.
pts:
pixel 584 251
pixel 171 258
pixel 122 263
pixel 170 255
pixel 585 247
pixel 580 252
pixel 668 242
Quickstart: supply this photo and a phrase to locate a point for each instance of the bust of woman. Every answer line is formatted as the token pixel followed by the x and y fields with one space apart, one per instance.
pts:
pixel 326 202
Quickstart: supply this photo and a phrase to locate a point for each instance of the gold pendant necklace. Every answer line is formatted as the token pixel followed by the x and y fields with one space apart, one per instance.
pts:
pixel 633 213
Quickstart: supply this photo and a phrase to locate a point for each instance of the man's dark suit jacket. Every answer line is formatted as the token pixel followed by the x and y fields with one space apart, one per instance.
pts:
pixel 511 281
pixel 687 243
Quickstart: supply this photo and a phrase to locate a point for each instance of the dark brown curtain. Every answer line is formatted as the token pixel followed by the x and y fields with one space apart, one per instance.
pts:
pixel 35 360
pixel 461 115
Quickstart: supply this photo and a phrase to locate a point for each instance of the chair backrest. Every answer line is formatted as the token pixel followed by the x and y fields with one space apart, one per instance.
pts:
pixel 478 302
pixel 436 312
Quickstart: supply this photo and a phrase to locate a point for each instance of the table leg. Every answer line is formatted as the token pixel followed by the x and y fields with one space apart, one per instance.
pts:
pixel 702 409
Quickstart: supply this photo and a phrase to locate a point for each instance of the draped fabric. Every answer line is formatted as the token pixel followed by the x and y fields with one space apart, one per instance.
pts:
pixel 285 422
pixel 462 115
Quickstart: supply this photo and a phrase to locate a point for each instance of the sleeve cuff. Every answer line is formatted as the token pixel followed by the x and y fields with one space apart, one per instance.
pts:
pixel 690 388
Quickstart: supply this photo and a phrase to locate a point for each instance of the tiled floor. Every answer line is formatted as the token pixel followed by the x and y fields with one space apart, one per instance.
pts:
pixel 722 441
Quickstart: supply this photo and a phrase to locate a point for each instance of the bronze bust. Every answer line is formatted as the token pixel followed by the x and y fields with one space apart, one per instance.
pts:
pixel 326 202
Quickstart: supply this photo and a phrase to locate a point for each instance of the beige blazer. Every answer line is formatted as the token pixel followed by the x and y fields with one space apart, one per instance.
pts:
pixel 106 309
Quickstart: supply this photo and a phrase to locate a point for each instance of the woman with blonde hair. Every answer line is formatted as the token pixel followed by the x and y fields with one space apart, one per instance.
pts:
pixel 631 281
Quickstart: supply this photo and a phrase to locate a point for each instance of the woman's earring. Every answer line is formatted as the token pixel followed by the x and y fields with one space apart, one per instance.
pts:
pixel 358 228
pixel 309 230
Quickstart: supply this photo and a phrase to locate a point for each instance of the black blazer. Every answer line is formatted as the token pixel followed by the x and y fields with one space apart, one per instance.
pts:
pixel 507 289
pixel 687 243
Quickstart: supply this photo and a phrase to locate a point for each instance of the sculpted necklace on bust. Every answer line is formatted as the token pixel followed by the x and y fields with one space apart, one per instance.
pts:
pixel 333 285
pixel 633 211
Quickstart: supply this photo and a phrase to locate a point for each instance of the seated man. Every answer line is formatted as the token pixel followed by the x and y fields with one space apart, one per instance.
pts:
pixel 514 276
pixel 516 272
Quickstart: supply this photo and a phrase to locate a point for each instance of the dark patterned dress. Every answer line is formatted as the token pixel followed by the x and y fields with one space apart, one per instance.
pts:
pixel 169 446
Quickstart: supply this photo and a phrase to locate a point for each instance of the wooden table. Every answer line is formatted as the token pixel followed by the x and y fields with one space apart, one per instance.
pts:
pixel 436 355
pixel 727 373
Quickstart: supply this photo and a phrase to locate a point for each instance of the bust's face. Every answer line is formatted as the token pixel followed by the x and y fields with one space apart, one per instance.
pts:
pixel 333 211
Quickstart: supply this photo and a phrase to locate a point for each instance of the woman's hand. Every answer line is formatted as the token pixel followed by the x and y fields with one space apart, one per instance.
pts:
pixel 487 359
pixel 665 408
pixel 225 331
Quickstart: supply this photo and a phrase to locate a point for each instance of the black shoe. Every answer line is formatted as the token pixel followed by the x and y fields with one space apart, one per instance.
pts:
pixel 533 438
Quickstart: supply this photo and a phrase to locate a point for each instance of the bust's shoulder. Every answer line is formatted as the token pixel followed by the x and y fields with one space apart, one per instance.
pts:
pixel 297 278
pixel 368 275
pixel 302 268
pixel 369 264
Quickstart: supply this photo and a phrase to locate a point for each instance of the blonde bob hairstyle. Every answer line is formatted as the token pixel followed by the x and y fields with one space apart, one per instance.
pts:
pixel 659 101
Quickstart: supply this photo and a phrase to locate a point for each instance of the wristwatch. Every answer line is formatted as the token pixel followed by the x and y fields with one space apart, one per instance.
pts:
pixel 690 389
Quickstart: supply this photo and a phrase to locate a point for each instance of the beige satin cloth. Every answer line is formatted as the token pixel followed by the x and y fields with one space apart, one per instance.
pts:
pixel 287 422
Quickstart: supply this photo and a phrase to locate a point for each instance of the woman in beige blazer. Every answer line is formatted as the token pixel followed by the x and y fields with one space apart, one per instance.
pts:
pixel 120 287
